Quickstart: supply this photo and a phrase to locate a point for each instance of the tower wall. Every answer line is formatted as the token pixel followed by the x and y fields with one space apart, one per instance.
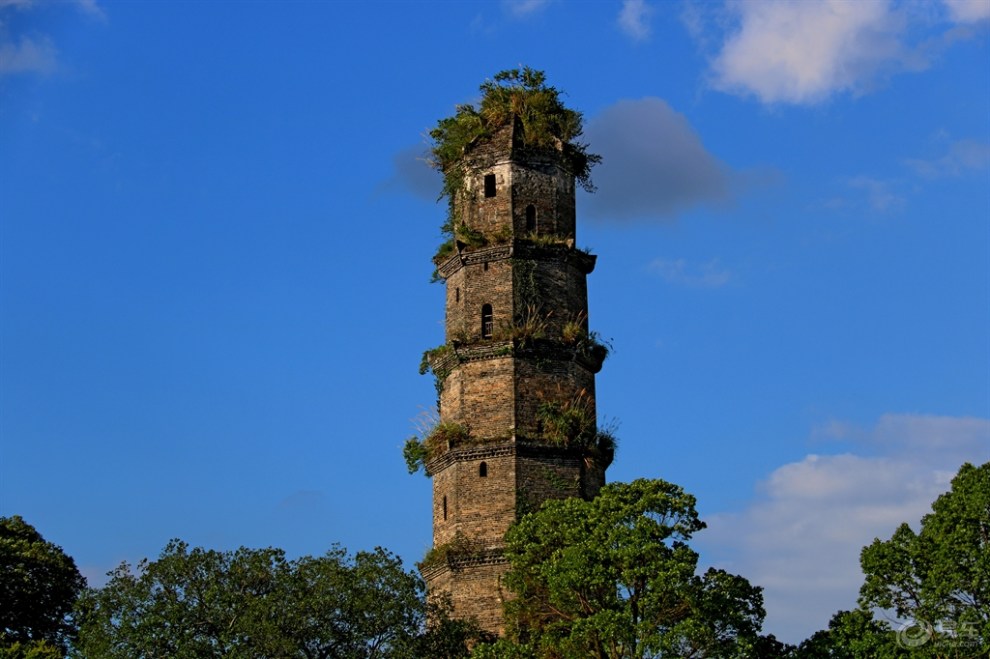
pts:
pixel 516 340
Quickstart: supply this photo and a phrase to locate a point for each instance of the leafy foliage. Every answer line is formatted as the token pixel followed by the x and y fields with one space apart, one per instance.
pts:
pixel 851 635
pixel 440 437
pixel 446 637
pixel 253 603
pixel 39 584
pixel 572 423
pixel 31 650
pixel 614 577
pixel 432 355
pixel 512 95
pixel 941 575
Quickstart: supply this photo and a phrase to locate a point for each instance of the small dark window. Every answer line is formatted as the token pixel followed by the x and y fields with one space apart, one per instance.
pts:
pixel 486 321
pixel 486 266
pixel 531 218
pixel 489 185
pixel 445 506
pixel 483 470
pixel 457 295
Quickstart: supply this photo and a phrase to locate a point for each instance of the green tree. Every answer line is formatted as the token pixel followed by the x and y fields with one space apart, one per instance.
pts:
pixel 39 584
pixel 255 603
pixel 940 576
pixel 614 578
pixel 852 635
pixel 31 650
pixel 445 637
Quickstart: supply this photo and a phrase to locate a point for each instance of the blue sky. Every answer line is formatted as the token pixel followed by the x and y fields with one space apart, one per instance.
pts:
pixel 215 241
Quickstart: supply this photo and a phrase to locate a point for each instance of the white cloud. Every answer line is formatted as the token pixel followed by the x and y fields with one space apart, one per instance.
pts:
pixel 801 538
pixel 653 163
pixel 678 271
pixel 803 52
pixel 968 11
pixel 961 156
pixel 28 56
pixel 634 19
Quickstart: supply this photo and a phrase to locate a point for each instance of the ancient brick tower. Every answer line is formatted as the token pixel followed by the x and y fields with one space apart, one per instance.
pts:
pixel 516 375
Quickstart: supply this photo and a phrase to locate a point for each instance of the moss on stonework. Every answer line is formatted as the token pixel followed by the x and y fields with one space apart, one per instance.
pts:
pixel 459 548
pixel 571 424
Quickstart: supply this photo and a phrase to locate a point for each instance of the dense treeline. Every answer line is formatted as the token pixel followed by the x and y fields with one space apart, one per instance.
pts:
pixel 611 578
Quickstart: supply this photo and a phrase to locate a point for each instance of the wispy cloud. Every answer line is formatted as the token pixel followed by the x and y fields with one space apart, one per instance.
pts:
pixel 880 194
pixel 91 8
pixel 653 163
pixel 634 19
pixel 801 538
pixel 27 55
pixel 682 273
pixel 523 8
pixel 34 53
pixel 960 157
pixel 968 11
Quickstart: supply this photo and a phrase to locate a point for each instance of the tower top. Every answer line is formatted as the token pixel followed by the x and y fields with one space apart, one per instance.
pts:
pixel 518 111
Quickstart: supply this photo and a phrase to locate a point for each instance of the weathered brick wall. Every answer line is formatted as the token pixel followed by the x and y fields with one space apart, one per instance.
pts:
pixel 475 284
pixel 476 591
pixel 548 380
pixel 549 282
pixel 480 394
pixel 543 184
pixel 489 215
pixel 478 507
pixel 542 478
pixel 495 386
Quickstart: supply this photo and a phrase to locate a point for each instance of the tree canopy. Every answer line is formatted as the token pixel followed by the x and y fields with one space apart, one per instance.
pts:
pixel 255 603
pixel 39 584
pixel 851 635
pixel 939 578
pixel 615 578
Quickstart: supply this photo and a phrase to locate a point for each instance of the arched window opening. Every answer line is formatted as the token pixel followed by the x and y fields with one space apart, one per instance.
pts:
pixel 483 470
pixel 531 218
pixel 486 321
pixel 445 506
pixel 489 185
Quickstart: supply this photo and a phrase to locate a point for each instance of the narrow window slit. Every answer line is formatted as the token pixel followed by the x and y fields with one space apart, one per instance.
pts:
pixel 486 321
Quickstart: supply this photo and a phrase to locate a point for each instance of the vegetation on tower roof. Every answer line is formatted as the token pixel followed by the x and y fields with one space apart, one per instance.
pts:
pixel 512 94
